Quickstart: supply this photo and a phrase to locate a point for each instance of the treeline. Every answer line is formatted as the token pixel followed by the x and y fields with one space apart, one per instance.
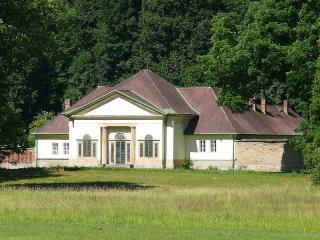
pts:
pixel 51 50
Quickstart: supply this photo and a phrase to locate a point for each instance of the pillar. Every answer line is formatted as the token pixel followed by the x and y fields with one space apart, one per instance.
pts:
pixel 104 146
pixel 133 145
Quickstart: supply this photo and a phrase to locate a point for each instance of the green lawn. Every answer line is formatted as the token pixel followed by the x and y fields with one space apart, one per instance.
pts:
pixel 157 204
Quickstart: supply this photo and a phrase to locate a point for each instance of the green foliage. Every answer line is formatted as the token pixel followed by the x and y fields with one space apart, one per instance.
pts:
pixel 38 121
pixel 315 174
pixel 269 50
pixel 171 35
pixel 12 132
pixel 309 142
pixel 26 47
pixel 187 163
pixel 236 103
pixel 55 49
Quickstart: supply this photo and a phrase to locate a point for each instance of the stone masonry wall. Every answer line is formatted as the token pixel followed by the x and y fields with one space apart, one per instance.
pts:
pixel 273 156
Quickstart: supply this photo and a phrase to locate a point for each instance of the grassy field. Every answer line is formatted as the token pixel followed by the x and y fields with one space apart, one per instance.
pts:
pixel 156 204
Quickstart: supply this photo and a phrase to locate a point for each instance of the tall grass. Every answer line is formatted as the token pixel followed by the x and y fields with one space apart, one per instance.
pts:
pixel 160 204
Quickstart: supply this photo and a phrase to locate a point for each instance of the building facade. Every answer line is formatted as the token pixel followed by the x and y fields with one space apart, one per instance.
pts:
pixel 146 122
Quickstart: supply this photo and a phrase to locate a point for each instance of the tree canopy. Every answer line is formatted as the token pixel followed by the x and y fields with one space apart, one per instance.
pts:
pixel 51 50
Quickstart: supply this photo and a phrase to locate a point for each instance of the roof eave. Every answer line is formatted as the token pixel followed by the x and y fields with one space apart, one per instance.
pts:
pixel 46 133
pixel 115 91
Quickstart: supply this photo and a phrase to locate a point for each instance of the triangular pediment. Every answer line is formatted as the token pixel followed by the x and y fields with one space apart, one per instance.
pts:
pixel 118 104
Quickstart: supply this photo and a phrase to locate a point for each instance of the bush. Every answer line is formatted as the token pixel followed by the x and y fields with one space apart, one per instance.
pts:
pixel 315 175
pixel 187 164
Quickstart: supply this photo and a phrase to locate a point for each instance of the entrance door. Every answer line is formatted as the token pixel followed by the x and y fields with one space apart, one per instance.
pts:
pixel 120 149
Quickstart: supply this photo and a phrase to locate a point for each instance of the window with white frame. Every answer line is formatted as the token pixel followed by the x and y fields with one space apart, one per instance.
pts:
pixel 80 149
pixel 65 148
pixel 141 149
pixel 55 148
pixel 149 147
pixel 112 152
pixel 213 145
pixel 87 147
pixel 202 145
pixel 156 146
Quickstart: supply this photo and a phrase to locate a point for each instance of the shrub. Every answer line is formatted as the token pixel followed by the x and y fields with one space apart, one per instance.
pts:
pixel 187 164
pixel 315 175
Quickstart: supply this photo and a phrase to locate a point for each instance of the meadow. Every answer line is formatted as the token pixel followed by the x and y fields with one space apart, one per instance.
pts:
pixel 157 204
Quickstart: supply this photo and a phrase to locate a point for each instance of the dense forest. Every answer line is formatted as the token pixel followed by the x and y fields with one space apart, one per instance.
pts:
pixel 56 49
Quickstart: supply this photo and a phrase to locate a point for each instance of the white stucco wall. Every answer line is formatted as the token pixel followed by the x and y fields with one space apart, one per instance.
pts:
pixel 44 156
pixel 92 127
pixel 44 150
pixel 222 158
pixel 118 107
pixel 169 128
pixel 180 138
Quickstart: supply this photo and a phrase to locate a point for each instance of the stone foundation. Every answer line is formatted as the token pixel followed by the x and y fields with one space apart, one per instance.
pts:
pixel 262 155
pixel 52 163
pixel 218 164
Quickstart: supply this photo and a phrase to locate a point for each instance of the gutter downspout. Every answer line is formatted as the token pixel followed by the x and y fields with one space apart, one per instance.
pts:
pixel 233 153
pixel 36 152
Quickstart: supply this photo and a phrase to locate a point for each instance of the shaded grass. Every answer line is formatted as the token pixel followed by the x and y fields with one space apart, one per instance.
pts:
pixel 180 205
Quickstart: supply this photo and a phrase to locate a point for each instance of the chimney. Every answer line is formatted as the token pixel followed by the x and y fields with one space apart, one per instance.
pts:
pixel 254 104
pixel 263 106
pixel 285 107
pixel 67 104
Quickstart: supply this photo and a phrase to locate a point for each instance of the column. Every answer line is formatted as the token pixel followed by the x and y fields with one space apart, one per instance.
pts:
pixel 104 146
pixel 133 145
pixel 170 144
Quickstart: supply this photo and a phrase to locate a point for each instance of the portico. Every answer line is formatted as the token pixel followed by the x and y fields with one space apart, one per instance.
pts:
pixel 118 145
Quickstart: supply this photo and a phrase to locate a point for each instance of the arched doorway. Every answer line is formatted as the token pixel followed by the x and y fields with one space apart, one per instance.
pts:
pixel 120 148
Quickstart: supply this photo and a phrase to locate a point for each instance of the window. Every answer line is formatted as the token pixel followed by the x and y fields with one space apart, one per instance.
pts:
pixel 86 145
pixel 79 149
pixel 156 146
pixel 112 152
pixel 202 145
pixel 128 152
pixel 141 149
pixel 55 148
pixel 94 149
pixel 120 148
pixel 65 148
pixel 213 145
pixel 148 146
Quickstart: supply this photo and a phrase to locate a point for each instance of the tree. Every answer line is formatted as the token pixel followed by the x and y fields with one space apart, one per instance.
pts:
pixel 309 142
pixel 266 51
pixel 26 46
pixel 12 132
pixel 97 38
pixel 171 35
pixel 38 121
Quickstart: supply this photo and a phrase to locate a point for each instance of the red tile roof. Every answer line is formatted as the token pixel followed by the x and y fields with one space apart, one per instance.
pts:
pixel 215 119
pixel 59 124
pixel 156 90
pixel 200 102
pixel 212 118
pixel 98 92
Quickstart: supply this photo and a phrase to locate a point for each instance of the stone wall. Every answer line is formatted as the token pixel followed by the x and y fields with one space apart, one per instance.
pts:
pixel 263 155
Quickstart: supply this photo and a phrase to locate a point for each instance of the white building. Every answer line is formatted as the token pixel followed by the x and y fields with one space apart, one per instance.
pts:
pixel 146 122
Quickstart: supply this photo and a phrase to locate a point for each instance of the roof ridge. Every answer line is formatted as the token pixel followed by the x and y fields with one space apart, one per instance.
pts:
pixel 224 112
pixel 193 87
pixel 187 102
pixel 153 83
pixel 128 79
